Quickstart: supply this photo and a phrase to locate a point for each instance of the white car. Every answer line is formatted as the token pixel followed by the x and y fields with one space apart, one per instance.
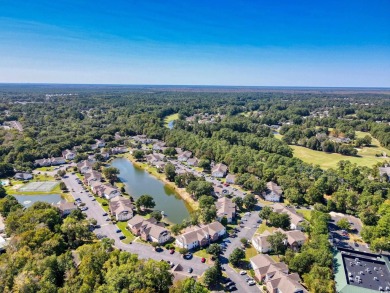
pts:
pixel 243 273
pixel 251 283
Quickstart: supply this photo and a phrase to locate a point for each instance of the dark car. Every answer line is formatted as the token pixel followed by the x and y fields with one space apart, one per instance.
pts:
pixel 104 214
pixel 118 231
pixel 232 288
pixel 122 237
pixel 172 251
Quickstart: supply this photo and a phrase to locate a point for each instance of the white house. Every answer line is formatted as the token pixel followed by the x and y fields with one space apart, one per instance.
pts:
pixel 296 220
pixel 184 156
pixel 57 161
pixel 193 162
pixel 200 236
pixel 149 230
pixel 68 154
pixel 219 170
pixel 23 176
pixel 84 166
pixel 231 178
pixel 100 143
pixel 109 191
pixel 273 192
pixel 225 209
pixel 121 208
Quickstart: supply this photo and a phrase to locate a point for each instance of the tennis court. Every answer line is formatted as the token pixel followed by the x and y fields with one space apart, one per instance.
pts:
pixel 44 186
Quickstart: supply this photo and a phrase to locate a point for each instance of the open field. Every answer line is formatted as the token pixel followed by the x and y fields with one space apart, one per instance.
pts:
pixel 170 118
pixel 366 156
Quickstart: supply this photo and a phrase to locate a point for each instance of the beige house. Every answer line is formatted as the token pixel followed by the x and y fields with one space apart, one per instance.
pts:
pixel 121 208
pixel 295 239
pixel 225 208
pixel 91 176
pixel 200 236
pixel 273 192
pixel 219 170
pixel 275 276
pixel 296 220
pixel 66 207
pixel 149 230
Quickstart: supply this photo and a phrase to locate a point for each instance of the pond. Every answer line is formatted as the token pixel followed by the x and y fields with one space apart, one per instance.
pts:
pixel 28 200
pixel 138 182
pixel 170 124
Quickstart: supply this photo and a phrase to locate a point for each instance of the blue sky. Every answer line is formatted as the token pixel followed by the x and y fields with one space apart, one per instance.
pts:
pixel 266 43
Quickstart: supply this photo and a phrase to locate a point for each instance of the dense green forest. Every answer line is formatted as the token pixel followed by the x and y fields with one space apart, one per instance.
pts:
pixel 240 137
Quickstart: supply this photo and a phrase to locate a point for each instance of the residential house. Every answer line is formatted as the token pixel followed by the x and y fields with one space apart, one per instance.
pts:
pixel 118 150
pixel 275 276
pixel 296 220
pixel 273 192
pixel 84 166
pixel 231 179
pixel 219 170
pixel 23 176
pixel 260 242
pixel 3 244
pixel 91 176
pixel 295 239
pixel 158 146
pixel 265 267
pixel 160 165
pixel 43 162
pixel 193 162
pixel 66 207
pixel 184 156
pixel 384 172
pixel 100 143
pixel 57 161
pixel 121 208
pixel 96 187
pixel 285 283
pixel 68 154
pixel 200 236
pixel 149 230
pixel 105 155
pixel 152 158
pixel 108 191
pixel 178 151
pixel 226 208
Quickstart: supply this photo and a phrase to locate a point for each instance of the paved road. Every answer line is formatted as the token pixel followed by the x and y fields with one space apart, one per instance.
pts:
pixel 96 212
pixel 247 232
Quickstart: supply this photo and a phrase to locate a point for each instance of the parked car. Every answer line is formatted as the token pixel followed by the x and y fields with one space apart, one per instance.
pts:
pixel 190 270
pixel 84 208
pixel 203 260
pixel 242 273
pixel 251 283
pixel 104 214
pixel 122 237
pixel 172 251
pixel 118 230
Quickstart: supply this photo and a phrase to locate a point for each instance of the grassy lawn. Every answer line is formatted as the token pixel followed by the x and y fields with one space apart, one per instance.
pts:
pixel 170 118
pixel 127 233
pixel 305 213
pixel 250 252
pixel 202 253
pixel 366 156
pixel 45 169
pixel 263 227
pixel 100 201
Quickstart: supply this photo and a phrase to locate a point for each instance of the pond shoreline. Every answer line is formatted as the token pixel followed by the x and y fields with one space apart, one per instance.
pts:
pixel 184 195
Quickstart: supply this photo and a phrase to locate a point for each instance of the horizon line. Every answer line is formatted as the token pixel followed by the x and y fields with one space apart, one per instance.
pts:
pixel 195 85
